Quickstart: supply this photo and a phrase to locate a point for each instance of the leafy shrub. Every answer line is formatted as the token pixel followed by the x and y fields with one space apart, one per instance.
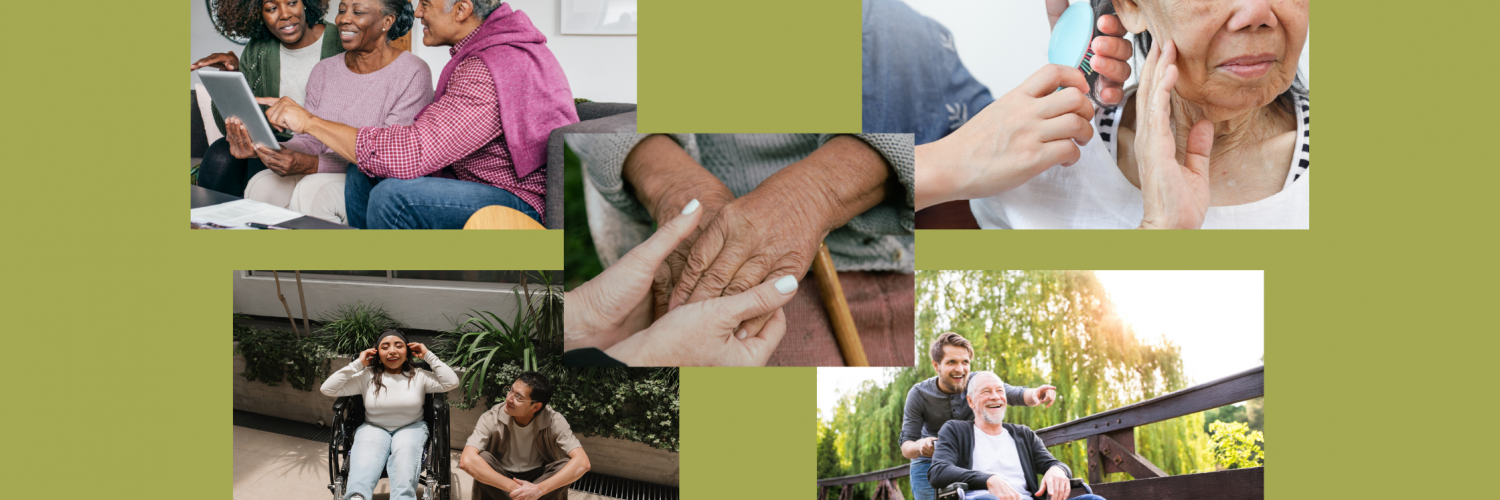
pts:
pixel 1234 445
pixel 634 404
pixel 275 355
pixel 353 328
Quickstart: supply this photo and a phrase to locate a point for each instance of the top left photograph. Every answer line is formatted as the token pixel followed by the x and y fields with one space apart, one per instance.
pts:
pixel 398 114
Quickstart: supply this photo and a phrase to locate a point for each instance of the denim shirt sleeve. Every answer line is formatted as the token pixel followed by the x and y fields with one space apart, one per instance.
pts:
pixel 913 81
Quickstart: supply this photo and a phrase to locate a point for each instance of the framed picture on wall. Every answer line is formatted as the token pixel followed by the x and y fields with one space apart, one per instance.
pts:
pixel 598 17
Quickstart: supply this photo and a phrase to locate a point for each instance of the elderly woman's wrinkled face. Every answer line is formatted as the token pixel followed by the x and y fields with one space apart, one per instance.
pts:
pixel 362 24
pixel 285 19
pixel 1233 55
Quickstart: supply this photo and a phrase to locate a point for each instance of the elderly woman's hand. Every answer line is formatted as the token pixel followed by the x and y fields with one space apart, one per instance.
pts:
pixel 709 333
pixel 240 144
pixel 775 230
pixel 286 114
pixel 1111 52
pixel 614 305
pixel 287 162
pixel 1176 194
pixel 665 179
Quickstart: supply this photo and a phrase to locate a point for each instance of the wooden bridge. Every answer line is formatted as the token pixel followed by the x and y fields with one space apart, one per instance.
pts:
pixel 1111 448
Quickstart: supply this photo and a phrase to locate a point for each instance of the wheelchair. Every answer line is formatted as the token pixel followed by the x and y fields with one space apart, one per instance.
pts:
pixel 956 491
pixel 435 474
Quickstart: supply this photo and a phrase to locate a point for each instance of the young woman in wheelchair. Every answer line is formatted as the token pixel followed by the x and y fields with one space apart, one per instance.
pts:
pixel 392 436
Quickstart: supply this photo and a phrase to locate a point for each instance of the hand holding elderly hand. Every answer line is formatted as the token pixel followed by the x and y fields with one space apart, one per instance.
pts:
pixel 1176 194
pixel 615 304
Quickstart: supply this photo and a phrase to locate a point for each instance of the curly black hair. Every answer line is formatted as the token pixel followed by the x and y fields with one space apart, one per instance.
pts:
pixel 404 14
pixel 242 19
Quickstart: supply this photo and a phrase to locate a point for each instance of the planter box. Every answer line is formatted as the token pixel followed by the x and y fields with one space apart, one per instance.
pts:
pixel 615 457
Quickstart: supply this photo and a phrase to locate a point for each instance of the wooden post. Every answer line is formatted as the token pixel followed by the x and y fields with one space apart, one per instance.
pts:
pixel 838 309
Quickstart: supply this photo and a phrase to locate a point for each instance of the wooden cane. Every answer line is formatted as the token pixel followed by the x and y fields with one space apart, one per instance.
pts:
pixel 838 309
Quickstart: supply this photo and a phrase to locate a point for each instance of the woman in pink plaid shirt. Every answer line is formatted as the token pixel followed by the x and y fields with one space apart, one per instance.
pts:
pixel 481 142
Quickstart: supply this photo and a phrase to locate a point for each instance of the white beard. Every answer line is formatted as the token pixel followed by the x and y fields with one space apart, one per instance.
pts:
pixel 993 420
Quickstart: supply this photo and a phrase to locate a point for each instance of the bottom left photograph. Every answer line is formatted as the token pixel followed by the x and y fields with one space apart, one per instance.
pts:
pixel 394 385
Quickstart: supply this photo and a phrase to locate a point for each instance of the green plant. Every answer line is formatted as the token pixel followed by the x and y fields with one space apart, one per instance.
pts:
pixel 484 341
pixel 1235 445
pixel 353 328
pixel 275 355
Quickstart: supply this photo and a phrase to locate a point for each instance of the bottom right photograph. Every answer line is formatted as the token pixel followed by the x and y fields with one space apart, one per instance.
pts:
pixel 1126 385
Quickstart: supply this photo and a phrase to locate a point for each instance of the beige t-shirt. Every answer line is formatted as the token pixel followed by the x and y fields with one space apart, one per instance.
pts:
pixel 520 454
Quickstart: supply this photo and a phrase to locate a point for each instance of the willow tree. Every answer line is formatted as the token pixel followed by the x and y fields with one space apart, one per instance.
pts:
pixel 1031 328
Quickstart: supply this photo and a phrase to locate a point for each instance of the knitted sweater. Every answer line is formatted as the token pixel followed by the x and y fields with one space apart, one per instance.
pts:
pixel 400 400
pixel 881 239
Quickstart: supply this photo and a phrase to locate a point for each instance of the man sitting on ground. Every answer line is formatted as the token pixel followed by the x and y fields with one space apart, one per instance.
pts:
pixel 521 449
pixel 996 460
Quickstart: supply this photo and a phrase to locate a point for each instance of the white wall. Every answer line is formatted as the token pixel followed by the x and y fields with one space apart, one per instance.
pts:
pixel 1004 42
pixel 426 307
pixel 601 68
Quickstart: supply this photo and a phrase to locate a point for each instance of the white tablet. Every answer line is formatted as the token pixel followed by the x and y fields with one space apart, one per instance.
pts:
pixel 231 93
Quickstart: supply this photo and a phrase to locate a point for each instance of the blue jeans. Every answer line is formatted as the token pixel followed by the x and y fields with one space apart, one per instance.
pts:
pixel 421 203
pixel 913 81
pixel 920 488
pixel 398 452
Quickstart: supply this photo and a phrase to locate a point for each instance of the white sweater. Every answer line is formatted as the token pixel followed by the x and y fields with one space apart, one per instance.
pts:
pixel 400 401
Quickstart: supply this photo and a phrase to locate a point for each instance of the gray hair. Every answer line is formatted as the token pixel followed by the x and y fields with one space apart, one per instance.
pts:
pixel 975 375
pixel 482 8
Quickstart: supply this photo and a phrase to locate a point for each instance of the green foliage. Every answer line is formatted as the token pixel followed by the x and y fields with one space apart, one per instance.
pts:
pixel 1248 413
pixel 580 259
pixel 482 342
pixel 828 454
pixel 635 404
pixel 353 328
pixel 1031 328
pixel 1234 445
pixel 275 355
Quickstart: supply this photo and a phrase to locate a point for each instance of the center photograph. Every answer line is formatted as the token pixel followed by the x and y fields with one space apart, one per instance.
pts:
pixel 738 249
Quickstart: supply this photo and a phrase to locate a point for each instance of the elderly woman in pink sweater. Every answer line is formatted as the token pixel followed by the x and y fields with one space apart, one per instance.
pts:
pixel 370 84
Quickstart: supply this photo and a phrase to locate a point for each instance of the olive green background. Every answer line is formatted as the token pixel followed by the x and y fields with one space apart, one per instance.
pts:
pixel 1380 335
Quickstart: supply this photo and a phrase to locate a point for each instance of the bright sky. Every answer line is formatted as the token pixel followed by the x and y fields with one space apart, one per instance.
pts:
pixel 1216 317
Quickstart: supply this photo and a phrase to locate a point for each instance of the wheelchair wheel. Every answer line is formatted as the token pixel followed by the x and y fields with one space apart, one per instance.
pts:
pixel 437 491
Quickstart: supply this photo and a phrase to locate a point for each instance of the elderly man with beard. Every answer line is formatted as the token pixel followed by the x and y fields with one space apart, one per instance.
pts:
pixel 933 402
pixel 996 460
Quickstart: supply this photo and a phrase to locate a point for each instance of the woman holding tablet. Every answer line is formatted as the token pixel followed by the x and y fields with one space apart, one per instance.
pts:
pixel 393 433
pixel 286 41
pixel 371 84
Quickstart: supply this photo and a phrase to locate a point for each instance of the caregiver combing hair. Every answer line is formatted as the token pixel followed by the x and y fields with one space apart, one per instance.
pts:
pixel 393 433
pixel 1214 135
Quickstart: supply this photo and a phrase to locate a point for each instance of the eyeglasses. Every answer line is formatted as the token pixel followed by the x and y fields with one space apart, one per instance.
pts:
pixel 512 396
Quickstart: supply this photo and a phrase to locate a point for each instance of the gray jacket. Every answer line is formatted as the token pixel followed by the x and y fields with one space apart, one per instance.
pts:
pixel 881 239
pixel 928 408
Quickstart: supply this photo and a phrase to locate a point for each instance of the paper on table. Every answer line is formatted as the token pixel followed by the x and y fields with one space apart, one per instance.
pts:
pixel 239 212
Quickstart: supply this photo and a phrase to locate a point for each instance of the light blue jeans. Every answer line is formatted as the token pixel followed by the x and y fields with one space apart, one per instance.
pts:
pixel 920 488
pixel 421 203
pixel 398 452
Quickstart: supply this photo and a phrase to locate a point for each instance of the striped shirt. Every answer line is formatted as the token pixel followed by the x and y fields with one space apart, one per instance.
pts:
pixel 458 137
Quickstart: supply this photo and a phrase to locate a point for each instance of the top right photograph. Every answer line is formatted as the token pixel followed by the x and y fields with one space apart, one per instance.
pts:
pixel 1096 114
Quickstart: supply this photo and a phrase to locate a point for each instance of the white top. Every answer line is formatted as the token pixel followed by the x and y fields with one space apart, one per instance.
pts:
pixel 997 455
pixel 1094 194
pixel 400 401
pixel 297 66
pixel 521 456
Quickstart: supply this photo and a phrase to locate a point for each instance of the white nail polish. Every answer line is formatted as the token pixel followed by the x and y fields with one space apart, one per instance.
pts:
pixel 786 285
pixel 691 207
pixel 740 334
